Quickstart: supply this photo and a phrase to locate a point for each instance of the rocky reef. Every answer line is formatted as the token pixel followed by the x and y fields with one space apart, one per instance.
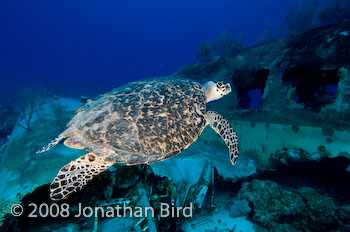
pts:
pixel 297 195
pixel 301 209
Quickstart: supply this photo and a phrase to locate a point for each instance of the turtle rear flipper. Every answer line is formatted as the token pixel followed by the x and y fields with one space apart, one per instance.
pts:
pixel 224 129
pixel 76 174
pixel 51 144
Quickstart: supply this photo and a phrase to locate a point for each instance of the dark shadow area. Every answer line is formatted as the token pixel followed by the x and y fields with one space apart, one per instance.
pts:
pixel 315 87
pixel 328 175
pixel 7 122
pixel 250 86
pixel 103 189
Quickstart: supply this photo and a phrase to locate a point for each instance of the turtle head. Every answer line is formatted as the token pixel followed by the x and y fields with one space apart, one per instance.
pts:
pixel 215 91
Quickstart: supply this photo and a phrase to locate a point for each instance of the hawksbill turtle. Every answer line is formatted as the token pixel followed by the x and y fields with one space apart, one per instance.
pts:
pixel 139 123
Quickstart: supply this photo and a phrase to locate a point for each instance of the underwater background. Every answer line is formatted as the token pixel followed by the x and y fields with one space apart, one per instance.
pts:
pixel 288 65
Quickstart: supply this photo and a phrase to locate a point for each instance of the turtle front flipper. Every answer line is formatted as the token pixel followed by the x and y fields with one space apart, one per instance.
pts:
pixel 224 129
pixel 76 174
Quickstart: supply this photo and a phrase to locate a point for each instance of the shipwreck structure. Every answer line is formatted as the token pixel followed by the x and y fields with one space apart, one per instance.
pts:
pixel 302 79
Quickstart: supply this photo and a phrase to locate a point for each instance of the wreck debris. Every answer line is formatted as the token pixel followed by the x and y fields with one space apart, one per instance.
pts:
pixel 287 80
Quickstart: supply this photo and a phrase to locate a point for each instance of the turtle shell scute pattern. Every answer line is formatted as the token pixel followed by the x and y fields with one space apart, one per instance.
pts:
pixel 172 116
pixel 155 119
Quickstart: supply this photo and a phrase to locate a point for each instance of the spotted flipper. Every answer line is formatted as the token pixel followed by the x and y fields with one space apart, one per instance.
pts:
pixel 76 174
pixel 224 129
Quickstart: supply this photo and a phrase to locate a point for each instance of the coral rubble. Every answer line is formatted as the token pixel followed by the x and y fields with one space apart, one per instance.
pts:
pixel 279 209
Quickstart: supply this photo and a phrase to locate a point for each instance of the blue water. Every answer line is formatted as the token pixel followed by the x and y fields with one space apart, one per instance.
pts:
pixel 79 48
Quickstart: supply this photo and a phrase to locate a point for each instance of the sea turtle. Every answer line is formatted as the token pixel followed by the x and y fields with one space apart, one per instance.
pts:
pixel 139 123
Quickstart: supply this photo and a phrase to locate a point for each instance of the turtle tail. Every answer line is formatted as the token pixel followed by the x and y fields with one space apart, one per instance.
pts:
pixel 51 144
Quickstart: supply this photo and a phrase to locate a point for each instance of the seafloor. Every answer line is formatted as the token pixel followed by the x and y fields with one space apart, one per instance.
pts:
pixel 293 172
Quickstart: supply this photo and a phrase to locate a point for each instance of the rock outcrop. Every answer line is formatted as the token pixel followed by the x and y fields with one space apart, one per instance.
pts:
pixel 302 209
